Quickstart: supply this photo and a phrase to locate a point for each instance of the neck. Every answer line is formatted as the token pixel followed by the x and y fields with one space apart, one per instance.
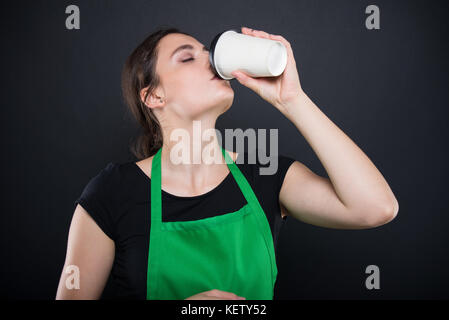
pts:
pixel 191 154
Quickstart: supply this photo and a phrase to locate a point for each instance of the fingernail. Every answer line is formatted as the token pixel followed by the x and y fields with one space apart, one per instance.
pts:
pixel 241 298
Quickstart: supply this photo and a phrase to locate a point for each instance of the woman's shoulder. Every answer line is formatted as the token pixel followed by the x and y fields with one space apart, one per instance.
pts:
pixel 265 170
pixel 111 177
pixel 262 162
pixel 101 194
pixel 145 165
pixel 109 186
pixel 114 171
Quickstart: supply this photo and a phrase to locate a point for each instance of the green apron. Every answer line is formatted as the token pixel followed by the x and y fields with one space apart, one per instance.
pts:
pixel 232 252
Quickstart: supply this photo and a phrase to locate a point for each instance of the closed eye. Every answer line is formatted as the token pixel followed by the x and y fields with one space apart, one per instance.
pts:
pixel 187 60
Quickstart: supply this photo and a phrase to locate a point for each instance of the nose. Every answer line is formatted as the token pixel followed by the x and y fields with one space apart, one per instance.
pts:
pixel 208 62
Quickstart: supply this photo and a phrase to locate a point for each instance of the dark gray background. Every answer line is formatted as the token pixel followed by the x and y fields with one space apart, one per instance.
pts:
pixel 63 120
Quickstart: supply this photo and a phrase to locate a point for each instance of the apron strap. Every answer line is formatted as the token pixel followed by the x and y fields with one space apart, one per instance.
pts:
pixel 255 206
pixel 156 221
pixel 242 183
pixel 156 193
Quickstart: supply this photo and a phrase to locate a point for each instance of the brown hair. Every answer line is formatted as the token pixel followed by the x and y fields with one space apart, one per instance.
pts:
pixel 139 71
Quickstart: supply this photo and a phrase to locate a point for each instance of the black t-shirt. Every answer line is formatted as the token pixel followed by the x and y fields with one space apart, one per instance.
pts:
pixel 118 199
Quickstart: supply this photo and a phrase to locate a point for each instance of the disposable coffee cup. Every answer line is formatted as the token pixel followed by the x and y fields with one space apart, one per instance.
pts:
pixel 258 57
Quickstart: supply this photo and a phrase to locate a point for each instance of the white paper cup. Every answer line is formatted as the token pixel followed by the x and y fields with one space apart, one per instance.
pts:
pixel 257 57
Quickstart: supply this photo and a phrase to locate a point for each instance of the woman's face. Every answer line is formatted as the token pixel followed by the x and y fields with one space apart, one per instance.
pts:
pixel 185 75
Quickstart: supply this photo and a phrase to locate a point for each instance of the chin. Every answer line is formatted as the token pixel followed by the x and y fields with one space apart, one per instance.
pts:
pixel 225 100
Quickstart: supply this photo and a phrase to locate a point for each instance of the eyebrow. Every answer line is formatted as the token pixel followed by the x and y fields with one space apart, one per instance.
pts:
pixel 184 47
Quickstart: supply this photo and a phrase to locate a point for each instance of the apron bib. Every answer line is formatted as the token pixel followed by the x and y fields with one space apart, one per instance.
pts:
pixel 232 252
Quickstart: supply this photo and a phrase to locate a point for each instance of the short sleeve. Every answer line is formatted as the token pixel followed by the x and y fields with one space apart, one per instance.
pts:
pixel 284 163
pixel 270 177
pixel 273 174
pixel 97 199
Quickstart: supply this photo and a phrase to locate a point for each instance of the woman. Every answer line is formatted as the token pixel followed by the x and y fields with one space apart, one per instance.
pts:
pixel 217 234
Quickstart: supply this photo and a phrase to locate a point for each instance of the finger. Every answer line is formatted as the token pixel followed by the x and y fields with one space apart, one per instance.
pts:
pixel 282 40
pixel 246 30
pixel 218 298
pixel 261 34
pixel 285 43
pixel 222 294
pixel 266 35
pixel 245 79
pixel 255 33
pixel 222 298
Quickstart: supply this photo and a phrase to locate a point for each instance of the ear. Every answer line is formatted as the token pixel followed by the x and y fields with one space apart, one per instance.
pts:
pixel 152 100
